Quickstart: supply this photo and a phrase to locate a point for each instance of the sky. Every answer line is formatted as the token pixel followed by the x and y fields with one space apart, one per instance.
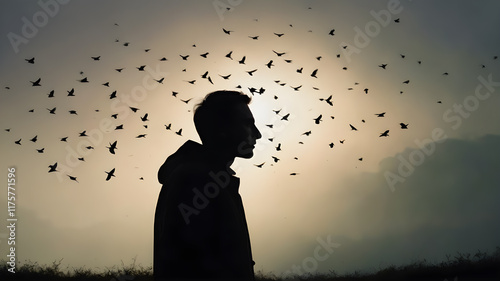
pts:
pixel 356 200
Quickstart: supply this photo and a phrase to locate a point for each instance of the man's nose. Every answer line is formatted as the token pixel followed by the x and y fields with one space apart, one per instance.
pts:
pixel 256 133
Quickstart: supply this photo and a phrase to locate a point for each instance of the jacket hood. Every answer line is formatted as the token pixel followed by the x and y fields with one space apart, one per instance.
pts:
pixel 185 153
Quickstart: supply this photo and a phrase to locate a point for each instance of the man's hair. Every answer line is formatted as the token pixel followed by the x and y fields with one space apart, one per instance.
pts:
pixel 213 114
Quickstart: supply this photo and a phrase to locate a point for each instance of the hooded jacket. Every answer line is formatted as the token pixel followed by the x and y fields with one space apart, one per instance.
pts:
pixel 200 230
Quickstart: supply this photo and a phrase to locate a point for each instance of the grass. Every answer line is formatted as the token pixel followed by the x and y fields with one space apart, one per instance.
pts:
pixel 461 267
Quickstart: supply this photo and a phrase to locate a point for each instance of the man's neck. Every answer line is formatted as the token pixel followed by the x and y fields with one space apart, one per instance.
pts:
pixel 220 156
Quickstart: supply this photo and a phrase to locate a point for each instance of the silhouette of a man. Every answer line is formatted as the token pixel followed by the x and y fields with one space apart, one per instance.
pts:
pixel 200 230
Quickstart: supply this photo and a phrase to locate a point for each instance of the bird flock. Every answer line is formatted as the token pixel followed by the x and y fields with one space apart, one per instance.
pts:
pixel 273 60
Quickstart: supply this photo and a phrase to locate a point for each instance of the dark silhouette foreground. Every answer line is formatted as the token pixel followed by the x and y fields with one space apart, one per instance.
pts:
pixel 200 230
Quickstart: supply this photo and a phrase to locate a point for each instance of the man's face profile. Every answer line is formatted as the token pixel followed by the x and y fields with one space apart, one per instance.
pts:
pixel 241 133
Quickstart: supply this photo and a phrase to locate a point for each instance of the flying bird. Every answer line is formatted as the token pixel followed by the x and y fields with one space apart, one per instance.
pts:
pixel 32 60
pixel 36 83
pixel 318 119
pixel 380 114
pixel 327 100
pixel 259 165
pixel 72 178
pixel 279 54
pixel 313 74
pixel 53 168
pixel 251 72
pixel 179 132
pixel 269 64
pixel 110 174
pixel 385 134
pixel 353 128
pixel 403 125
pixel 112 147
pixel 228 32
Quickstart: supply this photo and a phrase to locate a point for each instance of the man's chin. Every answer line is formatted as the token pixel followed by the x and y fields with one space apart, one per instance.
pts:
pixel 247 154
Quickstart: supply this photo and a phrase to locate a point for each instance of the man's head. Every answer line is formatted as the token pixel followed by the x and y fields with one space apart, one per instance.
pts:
pixel 225 123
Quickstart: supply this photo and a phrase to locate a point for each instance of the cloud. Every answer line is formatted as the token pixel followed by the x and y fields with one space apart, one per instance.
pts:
pixel 98 246
pixel 449 204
